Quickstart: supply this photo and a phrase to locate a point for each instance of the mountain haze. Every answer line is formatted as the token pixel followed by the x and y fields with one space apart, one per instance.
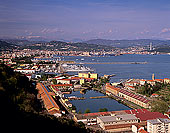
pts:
pixel 128 43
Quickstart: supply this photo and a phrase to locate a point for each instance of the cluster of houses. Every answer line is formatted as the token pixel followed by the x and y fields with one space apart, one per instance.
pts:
pixel 128 91
pixel 131 83
pixel 136 121
pixel 80 79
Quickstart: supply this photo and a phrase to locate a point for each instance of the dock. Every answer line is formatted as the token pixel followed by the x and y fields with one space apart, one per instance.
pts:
pixel 98 97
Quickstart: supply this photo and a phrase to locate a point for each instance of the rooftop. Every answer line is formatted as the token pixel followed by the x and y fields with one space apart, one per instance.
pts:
pixel 122 117
pixel 159 121
pixel 144 114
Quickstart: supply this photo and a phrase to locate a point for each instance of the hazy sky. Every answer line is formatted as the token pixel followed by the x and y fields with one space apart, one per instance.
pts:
pixel 85 19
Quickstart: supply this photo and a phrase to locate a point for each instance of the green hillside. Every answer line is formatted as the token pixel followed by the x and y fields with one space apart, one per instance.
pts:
pixel 21 110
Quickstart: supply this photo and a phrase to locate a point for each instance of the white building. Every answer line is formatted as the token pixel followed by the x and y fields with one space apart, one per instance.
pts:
pixel 117 121
pixel 25 70
pixel 160 125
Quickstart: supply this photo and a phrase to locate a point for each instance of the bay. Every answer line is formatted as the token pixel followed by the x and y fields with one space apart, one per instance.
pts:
pixel 157 64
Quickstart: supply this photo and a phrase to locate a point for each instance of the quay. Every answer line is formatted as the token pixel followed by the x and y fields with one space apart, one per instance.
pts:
pixel 111 63
pixel 98 97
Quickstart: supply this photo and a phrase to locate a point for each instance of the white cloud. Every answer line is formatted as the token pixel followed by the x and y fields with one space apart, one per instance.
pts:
pixel 165 30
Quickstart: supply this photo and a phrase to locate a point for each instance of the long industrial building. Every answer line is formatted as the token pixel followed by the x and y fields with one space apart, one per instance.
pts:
pixel 49 102
pixel 137 99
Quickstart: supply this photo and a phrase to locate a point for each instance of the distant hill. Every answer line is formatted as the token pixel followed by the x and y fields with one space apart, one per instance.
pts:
pixel 21 41
pixel 128 43
pixel 163 49
pixel 64 46
pixel 6 46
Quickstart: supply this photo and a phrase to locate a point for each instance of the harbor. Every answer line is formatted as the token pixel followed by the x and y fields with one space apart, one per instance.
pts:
pixel 92 98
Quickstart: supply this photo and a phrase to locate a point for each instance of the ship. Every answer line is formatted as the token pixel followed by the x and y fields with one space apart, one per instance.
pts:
pixel 76 68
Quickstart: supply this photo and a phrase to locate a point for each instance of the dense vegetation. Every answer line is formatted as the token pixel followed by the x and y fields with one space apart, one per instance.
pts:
pixel 6 46
pixel 160 103
pixel 21 110
pixel 148 89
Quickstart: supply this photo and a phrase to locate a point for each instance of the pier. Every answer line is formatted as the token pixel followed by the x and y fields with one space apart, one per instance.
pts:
pixel 111 63
pixel 98 97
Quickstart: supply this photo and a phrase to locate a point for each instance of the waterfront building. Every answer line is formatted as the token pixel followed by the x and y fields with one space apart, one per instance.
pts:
pixel 82 81
pixel 88 75
pixel 25 70
pixel 84 75
pixel 117 121
pixel 93 75
pixel 158 125
pixel 63 81
pixel 91 118
pixel 49 103
pixel 137 99
pixel 112 89
pixel 61 87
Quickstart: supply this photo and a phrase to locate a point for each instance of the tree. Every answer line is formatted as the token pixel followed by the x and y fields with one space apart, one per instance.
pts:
pixel 103 110
pixel 159 106
pixel 87 110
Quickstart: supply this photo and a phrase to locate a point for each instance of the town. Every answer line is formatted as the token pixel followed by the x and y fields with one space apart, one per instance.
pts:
pixel 144 116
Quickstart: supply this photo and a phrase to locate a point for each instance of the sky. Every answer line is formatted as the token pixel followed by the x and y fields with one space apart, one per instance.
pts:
pixel 85 19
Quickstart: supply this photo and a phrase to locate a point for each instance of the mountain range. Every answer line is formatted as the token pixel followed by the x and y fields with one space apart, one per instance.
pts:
pixel 128 43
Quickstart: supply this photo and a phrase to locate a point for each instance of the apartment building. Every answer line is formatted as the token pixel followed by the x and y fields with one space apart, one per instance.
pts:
pixel 159 125
pixel 88 75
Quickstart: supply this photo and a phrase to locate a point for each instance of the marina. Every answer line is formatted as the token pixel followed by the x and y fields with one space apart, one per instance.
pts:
pixel 76 68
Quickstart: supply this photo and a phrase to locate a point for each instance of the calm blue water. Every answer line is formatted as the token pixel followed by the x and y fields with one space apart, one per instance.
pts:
pixel 95 104
pixel 157 64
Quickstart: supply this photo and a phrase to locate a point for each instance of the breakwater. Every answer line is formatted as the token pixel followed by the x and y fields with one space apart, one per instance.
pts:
pixel 111 63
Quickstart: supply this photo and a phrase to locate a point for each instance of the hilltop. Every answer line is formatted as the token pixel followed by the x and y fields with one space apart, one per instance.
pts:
pixel 128 43
pixel 67 46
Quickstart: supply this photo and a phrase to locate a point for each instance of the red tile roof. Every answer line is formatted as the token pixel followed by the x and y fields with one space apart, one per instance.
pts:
pixel 142 131
pixel 57 85
pixel 138 97
pixel 144 114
